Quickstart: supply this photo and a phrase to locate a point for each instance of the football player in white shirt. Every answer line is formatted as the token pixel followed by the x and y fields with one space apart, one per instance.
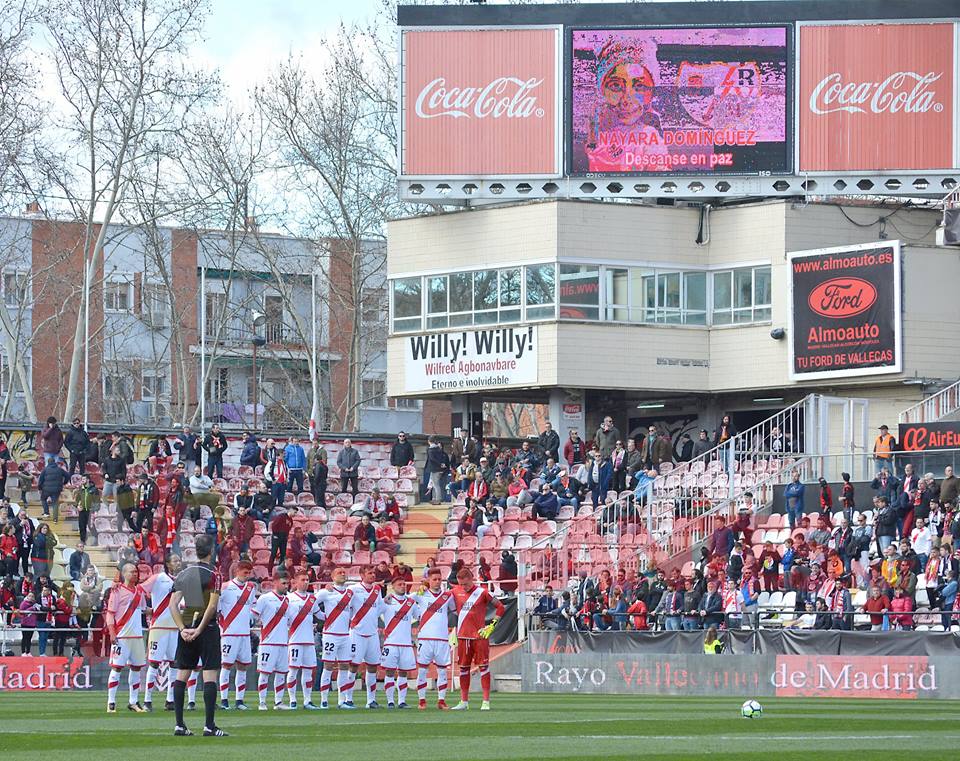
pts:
pixel 271 608
pixel 163 632
pixel 397 656
pixel 237 598
pixel 302 649
pixel 125 623
pixel 366 607
pixel 435 606
pixel 335 600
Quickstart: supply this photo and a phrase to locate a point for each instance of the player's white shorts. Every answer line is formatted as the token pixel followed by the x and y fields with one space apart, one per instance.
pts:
pixel 397 657
pixel 128 652
pixel 365 649
pixel 163 645
pixel 436 651
pixel 302 656
pixel 272 659
pixel 235 650
pixel 339 649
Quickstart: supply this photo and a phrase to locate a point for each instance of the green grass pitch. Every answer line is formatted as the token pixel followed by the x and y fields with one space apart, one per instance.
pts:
pixel 75 727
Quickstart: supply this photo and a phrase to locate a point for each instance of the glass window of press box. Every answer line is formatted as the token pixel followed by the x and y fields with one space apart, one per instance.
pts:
pixel 640 295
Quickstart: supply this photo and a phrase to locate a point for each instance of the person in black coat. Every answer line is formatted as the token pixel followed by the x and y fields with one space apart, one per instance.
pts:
pixel 77 442
pixel 215 444
pixel 549 441
pixel 402 452
pixel 50 482
pixel 188 445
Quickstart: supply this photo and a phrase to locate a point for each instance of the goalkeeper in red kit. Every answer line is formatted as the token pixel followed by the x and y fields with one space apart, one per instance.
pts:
pixel 472 635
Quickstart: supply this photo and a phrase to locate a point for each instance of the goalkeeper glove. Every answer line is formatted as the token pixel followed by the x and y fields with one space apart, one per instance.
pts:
pixel 487 630
pixel 453 638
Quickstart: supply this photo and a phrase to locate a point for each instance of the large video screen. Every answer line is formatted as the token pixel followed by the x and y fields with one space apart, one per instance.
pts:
pixel 680 101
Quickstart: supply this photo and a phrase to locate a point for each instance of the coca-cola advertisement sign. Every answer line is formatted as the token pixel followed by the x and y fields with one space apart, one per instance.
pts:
pixel 480 103
pixel 846 311
pixel 680 101
pixel 876 97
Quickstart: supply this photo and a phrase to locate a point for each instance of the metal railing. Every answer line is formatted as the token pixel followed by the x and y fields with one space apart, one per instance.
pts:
pixel 934 407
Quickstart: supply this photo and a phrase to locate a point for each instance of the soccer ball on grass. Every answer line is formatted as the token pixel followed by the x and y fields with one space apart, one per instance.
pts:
pixel 751 709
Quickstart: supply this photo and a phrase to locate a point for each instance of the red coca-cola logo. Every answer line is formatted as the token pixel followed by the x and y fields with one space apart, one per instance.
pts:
pixel 842 297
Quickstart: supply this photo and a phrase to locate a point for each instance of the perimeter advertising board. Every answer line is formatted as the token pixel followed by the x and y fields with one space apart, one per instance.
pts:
pixel 845 311
pixel 681 101
pixel 480 102
pixel 470 359
pixel 876 97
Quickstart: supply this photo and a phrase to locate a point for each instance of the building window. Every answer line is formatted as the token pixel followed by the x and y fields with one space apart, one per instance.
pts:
pixel 374 391
pixel 580 291
pixel 4 375
pixel 510 295
pixel 117 296
pixel 218 385
pixel 215 317
pixel 741 295
pixel 16 289
pixel 541 280
pixel 404 403
pixel 117 383
pixel 156 307
pixel 372 302
pixel 154 384
pixel 407 304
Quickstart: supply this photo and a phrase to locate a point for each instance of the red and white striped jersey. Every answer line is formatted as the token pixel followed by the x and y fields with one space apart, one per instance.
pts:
pixel 273 611
pixel 125 609
pixel 160 588
pixel 366 606
pixel 398 615
pixel 438 607
pixel 300 613
pixel 472 610
pixel 336 610
pixel 235 608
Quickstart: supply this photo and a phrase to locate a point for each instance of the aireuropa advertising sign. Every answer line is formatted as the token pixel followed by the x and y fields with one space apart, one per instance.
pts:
pixel 918 437
pixel 480 102
pixel 876 97
pixel 680 101
pixel 845 311
pixel 470 359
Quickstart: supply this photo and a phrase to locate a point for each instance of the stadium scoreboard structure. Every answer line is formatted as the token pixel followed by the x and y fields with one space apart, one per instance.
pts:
pixel 681 100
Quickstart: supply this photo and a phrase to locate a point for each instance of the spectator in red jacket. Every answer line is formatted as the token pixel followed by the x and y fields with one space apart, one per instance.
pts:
pixel 280 528
pixel 638 613
pixel 242 529
pixel 365 536
pixel 770 567
pixel 826 496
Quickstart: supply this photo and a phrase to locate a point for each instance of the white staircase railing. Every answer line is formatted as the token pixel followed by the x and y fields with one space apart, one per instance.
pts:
pixel 934 407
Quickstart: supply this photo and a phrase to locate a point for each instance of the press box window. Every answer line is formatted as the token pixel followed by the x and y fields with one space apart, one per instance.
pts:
pixel 407 304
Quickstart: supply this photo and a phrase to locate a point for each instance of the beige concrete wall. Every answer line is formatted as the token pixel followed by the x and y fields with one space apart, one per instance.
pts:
pixel 477 238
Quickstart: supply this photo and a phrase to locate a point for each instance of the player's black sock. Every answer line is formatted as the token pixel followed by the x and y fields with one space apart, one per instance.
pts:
pixel 210 702
pixel 179 695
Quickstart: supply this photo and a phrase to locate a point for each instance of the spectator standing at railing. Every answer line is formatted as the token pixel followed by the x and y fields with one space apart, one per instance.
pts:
pixel 618 464
pixel 599 472
pixel 922 541
pixel 826 496
pixel 877 605
pixel 883 448
pixel 901 607
pixel 51 441
pixel 549 441
pixel 277 474
pixel 947 594
pixel 575 449
pixel 401 453
pixel 188 446
pixel 606 436
pixel 296 460
pixel 721 539
pixel 885 484
pixel 250 453
pixel 43 550
pixel 847 497
pixel 793 496
pixel 885 523
pixel 670 607
pixel 77 441
pixel 348 461
pixel 9 551
pixel 770 560
pixel 215 444
pixel 702 445
pixel 685 448
pixel 949 486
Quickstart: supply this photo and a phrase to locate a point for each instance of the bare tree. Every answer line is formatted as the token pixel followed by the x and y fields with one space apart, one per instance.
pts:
pixel 124 76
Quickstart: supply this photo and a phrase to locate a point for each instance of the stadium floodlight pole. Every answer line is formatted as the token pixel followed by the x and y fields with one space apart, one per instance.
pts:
pixel 203 348
pixel 86 343
pixel 315 401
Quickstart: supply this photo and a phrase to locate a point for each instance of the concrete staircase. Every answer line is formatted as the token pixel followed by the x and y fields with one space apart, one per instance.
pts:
pixel 68 532
pixel 422 532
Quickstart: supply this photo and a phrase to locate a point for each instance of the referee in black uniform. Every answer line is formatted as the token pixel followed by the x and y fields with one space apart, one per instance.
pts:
pixel 197 587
